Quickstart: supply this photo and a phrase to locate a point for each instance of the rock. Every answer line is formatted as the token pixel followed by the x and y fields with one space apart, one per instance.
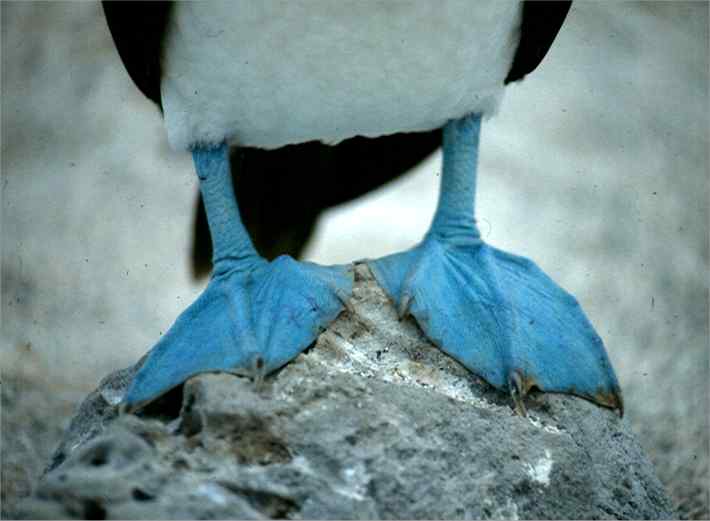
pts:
pixel 371 422
pixel 35 414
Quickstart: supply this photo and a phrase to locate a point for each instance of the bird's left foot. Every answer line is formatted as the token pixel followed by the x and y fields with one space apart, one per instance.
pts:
pixel 501 317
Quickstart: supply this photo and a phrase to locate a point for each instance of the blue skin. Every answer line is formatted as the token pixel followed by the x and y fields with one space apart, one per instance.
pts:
pixel 254 316
pixel 497 314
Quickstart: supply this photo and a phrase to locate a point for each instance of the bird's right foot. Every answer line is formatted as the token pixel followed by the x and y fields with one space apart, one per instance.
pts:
pixel 254 316
pixel 251 319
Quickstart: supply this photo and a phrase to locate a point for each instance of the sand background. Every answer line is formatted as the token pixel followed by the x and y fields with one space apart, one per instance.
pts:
pixel 596 166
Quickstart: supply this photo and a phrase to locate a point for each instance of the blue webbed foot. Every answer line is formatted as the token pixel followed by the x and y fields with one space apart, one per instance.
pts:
pixel 250 320
pixel 496 313
pixel 501 317
pixel 254 316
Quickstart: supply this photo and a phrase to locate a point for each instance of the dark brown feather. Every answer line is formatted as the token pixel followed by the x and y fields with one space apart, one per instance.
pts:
pixel 137 29
pixel 540 24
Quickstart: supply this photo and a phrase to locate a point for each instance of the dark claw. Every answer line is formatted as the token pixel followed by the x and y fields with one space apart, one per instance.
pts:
pixel 259 372
pixel 517 393
pixel 502 318
pixel 248 322
pixel 404 305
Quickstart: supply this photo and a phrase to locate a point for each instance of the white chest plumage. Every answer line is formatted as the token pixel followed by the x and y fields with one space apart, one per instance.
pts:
pixel 272 73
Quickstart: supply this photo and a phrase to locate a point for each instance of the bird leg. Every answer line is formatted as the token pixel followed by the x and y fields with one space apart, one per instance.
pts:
pixel 254 316
pixel 496 313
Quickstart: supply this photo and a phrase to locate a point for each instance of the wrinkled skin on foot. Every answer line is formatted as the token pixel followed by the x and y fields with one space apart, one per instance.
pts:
pixel 496 313
pixel 253 317
pixel 501 317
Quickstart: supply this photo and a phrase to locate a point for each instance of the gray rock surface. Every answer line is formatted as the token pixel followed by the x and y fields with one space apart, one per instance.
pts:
pixel 371 422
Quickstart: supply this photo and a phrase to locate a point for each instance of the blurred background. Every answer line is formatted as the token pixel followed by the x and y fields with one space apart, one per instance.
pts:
pixel 596 167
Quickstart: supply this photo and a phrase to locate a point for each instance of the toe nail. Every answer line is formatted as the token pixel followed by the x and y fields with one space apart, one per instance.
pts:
pixel 404 306
pixel 517 392
pixel 258 371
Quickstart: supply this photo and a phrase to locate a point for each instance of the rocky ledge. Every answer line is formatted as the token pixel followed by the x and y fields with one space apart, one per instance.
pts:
pixel 370 422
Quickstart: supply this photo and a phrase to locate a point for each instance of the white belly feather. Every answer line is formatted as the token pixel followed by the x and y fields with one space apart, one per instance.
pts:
pixel 271 73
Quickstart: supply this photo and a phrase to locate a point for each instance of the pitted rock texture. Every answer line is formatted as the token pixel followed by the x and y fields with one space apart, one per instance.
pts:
pixel 371 422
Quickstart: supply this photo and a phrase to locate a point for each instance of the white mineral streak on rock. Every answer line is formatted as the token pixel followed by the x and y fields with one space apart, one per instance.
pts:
pixel 407 373
pixel 373 323
pixel 355 479
pixel 540 471
pixel 112 396
pixel 544 426
pixel 213 492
